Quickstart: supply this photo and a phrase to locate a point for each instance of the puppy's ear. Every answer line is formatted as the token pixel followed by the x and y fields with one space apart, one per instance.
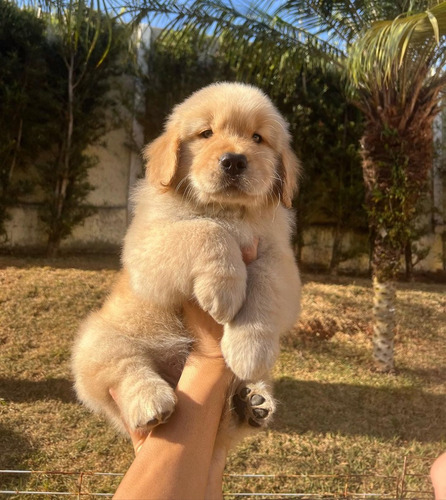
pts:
pixel 289 170
pixel 162 157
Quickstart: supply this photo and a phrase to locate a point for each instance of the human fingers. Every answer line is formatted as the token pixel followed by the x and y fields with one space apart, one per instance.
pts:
pixel 137 439
pixel 249 254
pixel 206 330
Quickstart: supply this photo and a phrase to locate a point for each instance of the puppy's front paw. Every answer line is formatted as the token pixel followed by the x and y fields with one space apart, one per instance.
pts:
pixel 254 404
pixel 221 296
pixel 150 406
pixel 248 353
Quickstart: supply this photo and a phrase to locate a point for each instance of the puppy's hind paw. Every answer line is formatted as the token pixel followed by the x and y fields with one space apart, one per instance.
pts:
pixel 145 427
pixel 254 404
pixel 150 407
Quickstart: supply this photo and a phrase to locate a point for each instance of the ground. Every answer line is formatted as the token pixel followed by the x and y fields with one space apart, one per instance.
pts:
pixel 341 431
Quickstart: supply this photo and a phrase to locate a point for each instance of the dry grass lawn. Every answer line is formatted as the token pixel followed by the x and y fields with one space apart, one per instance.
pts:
pixel 341 430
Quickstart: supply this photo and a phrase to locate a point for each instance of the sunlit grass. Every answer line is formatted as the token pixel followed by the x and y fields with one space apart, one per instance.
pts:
pixel 336 419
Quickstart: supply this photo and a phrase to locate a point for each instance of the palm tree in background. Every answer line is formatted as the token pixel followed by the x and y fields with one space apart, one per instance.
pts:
pixel 392 56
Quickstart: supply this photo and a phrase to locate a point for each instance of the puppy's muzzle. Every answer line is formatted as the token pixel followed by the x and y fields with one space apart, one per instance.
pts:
pixel 233 164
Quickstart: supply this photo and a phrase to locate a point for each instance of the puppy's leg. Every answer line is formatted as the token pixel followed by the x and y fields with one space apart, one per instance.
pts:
pixel 250 342
pixel 176 261
pixel 146 400
pixel 103 358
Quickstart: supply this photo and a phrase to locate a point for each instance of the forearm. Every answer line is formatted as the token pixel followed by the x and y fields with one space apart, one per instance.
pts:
pixel 438 477
pixel 168 463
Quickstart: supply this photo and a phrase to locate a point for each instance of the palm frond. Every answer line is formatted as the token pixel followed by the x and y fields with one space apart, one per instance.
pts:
pixel 258 43
pixel 405 47
pixel 344 20
pixel 248 22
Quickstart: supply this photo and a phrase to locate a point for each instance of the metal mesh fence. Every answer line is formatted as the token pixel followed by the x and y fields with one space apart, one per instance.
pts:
pixel 403 485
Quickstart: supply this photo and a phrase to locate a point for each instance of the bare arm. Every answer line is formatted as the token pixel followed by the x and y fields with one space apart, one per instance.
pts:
pixel 174 462
pixel 438 477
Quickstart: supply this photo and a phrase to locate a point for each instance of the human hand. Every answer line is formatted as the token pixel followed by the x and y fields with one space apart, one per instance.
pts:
pixel 137 438
pixel 249 254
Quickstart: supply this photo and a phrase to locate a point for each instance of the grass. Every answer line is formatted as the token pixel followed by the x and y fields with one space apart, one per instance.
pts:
pixel 339 428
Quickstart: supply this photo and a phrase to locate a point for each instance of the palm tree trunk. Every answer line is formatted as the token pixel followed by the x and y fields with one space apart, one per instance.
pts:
pixel 386 256
pixel 384 304
pixel 395 166
pixel 381 160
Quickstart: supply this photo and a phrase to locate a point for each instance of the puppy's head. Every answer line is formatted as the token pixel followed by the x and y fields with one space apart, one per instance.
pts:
pixel 225 144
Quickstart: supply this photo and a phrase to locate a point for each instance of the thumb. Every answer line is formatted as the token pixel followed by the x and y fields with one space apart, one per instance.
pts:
pixel 137 439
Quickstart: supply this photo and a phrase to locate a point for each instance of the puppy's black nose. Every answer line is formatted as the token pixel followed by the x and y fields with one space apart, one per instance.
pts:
pixel 233 164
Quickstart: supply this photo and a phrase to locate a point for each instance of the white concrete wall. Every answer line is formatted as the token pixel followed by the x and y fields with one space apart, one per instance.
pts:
pixel 106 228
pixel 318 242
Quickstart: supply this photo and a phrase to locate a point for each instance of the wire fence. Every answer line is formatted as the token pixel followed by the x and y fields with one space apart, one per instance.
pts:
pixel 403 485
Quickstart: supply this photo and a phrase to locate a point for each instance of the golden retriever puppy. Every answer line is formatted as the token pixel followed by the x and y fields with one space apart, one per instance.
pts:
pixel 220 176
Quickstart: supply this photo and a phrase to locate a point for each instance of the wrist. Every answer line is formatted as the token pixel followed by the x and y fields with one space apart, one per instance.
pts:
pixel 200 351
pixel 215 359
pixel 211 367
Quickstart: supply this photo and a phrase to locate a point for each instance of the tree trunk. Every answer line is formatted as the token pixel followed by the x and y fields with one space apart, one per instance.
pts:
pixel 397 152
pixel 52 248
pixel 385 263
pixel 336 250
pixel 408 261
pixel 382 168
pixel 17 147
pixel 54 237
pixel 384 304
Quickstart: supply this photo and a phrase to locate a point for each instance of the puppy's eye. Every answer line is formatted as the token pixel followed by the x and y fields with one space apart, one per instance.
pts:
pixel 257 138
pixel 206 134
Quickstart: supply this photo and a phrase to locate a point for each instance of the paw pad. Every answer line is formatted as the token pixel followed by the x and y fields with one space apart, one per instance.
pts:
pixel 254 408
pixel 257 400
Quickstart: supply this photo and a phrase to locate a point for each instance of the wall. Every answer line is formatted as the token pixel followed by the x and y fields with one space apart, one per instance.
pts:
pixel 112 177
pixel 318 241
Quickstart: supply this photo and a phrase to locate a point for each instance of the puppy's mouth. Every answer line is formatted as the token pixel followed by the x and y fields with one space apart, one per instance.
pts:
pixel 231 184
pixel 232 178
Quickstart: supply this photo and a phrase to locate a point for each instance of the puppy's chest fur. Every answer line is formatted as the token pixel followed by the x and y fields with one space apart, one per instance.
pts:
pixel 242 228
pixel 243 224
pixel 149 247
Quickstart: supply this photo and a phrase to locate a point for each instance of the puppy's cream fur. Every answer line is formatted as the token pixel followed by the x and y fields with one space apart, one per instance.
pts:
pixel 190 222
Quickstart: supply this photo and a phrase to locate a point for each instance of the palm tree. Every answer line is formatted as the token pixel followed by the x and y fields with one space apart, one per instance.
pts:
pixel 397 69
pixel 392 55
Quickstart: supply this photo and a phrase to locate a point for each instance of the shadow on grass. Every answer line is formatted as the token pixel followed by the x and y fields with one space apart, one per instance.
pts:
pixel 14 448
pixel 20 391
pixel 432 282
pixel 387 413
pixel 85 262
